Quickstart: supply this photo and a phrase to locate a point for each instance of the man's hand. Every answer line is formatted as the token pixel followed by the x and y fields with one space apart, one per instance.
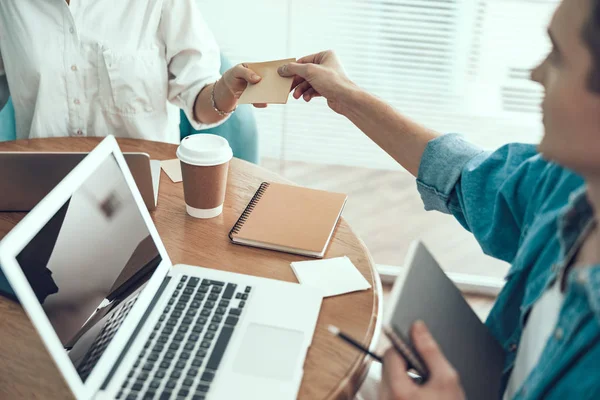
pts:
pixel 443 382
pixel 319 74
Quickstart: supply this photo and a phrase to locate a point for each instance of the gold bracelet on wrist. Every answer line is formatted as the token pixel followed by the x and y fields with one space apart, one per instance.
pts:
pixel 214 103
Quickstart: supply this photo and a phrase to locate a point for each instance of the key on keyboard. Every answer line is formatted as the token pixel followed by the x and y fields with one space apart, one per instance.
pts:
pixel 190 341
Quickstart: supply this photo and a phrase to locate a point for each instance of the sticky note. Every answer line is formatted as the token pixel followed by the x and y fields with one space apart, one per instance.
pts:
pixel 173 169
pixel 332 276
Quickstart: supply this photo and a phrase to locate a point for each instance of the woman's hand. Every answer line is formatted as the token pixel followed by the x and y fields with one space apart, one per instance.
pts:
pixel 319 74
pixel 232 84
pixel 443 382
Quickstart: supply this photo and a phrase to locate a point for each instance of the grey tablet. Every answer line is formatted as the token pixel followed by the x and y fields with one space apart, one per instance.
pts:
pixel 26 177
pixel 424 292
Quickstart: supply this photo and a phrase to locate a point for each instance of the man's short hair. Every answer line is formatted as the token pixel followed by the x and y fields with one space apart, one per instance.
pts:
pixel 591 35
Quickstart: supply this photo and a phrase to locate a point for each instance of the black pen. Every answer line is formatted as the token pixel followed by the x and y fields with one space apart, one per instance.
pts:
pixel 421 373
pixel 335 331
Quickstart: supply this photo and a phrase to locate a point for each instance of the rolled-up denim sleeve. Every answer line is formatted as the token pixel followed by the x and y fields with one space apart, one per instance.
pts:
pixel 487 192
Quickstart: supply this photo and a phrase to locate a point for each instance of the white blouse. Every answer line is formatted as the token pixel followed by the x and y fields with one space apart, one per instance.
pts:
pixel 93 68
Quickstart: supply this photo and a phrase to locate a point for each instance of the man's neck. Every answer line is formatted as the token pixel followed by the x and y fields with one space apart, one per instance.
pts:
pixel 593 195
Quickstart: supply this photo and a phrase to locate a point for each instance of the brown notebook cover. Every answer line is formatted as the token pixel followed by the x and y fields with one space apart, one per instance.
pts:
pixel 289 218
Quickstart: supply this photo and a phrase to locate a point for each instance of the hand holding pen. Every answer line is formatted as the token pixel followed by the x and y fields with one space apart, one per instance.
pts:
pixel 436 378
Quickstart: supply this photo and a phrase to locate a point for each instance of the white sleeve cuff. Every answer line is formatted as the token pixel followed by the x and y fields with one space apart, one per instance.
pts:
pixel 187 101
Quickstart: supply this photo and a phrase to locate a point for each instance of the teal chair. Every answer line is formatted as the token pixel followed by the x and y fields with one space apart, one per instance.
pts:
pixel 8 131
pixel 240 131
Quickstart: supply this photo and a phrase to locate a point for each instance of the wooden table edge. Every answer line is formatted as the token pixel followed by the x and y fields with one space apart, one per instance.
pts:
pixel 350 385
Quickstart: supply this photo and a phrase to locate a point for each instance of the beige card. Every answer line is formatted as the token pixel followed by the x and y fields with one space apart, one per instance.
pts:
pixel 173 169
pixel 272 89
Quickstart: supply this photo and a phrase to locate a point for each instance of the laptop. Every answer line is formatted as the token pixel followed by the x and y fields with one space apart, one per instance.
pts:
pixel 424 292
pixel 121 321
pixel 26 177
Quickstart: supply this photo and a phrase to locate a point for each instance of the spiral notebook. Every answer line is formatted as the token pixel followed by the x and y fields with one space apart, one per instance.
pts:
pixel 289 218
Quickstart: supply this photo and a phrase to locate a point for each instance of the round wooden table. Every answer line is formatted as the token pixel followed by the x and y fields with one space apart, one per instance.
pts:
pixel 332 369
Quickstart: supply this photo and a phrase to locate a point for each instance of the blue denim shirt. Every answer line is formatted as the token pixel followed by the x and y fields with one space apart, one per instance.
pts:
pixel 529 212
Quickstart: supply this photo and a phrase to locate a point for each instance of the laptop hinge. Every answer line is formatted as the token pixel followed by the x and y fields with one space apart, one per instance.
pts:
pixel 135 333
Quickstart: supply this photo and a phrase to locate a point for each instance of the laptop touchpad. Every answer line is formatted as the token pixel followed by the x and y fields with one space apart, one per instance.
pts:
pixel 269 352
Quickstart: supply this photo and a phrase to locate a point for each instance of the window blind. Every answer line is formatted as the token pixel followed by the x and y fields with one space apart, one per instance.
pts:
pixel 452 65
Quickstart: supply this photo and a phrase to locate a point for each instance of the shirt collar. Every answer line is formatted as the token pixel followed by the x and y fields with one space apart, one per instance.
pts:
pixel 576 216
pixel 571 225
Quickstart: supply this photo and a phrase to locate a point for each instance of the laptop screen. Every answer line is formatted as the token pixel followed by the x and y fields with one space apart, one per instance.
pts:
pixel 87 264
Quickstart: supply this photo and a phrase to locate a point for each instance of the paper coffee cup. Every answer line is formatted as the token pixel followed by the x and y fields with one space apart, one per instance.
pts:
pixel 204 165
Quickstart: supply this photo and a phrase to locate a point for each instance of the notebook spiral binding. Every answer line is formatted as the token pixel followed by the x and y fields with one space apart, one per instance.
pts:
pixel 246 214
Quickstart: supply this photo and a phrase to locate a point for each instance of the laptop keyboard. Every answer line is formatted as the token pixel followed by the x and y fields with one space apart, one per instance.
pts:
pixel 182 355
pixel 103 339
